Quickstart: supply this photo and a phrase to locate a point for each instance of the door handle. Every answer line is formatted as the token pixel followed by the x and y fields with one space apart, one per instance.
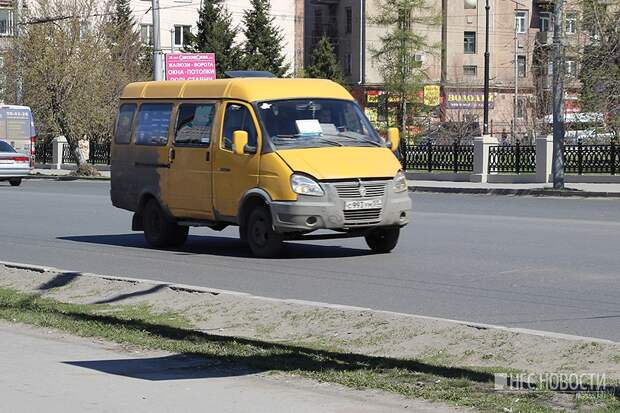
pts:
pixel 224 169
pixel 171 155
pixel 207 157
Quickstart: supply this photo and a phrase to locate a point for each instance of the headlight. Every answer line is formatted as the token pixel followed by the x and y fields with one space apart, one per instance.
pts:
pixel 400 182
pixel 303 185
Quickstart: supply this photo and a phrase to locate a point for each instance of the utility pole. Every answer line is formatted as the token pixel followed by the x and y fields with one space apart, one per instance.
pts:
pixel 516 99
pixel 558 96
pixel 486 74
pixel 157 66
pixel 16 30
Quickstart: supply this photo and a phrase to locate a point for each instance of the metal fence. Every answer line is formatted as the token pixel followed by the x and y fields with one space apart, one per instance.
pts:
pixel 592 159
pixel 515 158
pixel 99 153
pixel 455 157
pixel 43 152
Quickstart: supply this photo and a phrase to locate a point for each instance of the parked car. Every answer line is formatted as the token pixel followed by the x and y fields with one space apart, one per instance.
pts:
pixel 13 165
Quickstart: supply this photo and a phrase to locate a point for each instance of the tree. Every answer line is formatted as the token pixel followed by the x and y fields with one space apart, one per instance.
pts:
pixel 262 48
pixel 403 76
pixel 324 62
pixel 70 78
pixel 600 62
pixel 216 34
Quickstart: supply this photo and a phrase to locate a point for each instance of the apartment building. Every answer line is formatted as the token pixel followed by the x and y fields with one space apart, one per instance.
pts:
pixel 520 38
pixel 179 17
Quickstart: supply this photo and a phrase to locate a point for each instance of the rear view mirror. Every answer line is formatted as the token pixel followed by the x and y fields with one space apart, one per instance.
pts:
pixel 240 140
pixel 393 139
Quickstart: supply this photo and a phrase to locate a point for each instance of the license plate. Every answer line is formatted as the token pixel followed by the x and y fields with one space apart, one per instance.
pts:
pixel 363 204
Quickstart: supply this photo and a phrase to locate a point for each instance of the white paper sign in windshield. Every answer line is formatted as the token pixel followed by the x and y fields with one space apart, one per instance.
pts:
pixel 307 127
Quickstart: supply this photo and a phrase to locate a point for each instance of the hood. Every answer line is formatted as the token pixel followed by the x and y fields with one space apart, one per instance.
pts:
pixel 342 162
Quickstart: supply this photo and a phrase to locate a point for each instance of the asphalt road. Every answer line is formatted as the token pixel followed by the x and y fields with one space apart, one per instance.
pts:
pixel 543 263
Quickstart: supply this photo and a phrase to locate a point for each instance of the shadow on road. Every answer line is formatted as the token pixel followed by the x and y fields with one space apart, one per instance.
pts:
pixel 60 280
pixel 222 246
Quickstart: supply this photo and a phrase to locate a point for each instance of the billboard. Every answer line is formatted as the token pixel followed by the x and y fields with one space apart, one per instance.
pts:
pixel 190 66
pixel 468 100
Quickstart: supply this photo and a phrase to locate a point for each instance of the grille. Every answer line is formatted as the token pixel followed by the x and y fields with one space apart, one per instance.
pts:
pixel 366 215
pixel 352 191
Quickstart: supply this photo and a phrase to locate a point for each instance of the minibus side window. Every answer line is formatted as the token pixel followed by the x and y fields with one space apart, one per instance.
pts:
pixel 194 123
pixel 124 122
pixel 238 117
pixel 153 123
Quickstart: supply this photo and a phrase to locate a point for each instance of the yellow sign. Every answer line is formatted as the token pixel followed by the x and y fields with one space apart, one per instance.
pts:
pixel 432 95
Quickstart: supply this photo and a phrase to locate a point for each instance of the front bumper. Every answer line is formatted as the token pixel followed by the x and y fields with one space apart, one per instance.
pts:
pixel 310 213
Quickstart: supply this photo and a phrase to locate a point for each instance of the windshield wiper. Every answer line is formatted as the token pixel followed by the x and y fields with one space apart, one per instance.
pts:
pixel 295 137
pixel 357 138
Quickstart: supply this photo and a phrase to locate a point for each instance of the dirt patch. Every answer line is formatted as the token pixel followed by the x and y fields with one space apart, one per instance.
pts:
pixel 332 328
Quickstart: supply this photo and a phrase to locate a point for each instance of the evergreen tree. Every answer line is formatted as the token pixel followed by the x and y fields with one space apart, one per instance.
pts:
pixel 263 40
pixel 126 48
pixel 216 35
pixel 324 62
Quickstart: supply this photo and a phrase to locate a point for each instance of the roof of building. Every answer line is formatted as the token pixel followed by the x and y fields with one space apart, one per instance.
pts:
pixel 247 89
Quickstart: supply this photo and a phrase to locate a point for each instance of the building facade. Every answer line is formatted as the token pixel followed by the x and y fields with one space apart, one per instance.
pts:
pixel 520 40
pixel 177 18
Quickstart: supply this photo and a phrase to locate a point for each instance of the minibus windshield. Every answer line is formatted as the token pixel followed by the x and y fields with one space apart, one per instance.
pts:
pixel 308 123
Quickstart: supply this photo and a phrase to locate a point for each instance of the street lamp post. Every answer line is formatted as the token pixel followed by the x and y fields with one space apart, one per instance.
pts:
pixel 486 74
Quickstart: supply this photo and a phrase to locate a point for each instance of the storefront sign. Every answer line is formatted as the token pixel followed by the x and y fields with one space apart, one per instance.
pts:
pixel 432 95
pixel 472 100
pixel 190 66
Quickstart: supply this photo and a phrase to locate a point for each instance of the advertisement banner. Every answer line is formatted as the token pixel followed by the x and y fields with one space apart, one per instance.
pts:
pixel 432 95
pixel 190 66
pixel 468 100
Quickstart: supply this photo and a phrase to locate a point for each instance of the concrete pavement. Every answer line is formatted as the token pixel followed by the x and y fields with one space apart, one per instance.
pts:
pixel 45 371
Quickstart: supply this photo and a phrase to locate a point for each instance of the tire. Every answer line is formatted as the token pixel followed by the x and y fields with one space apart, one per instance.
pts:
pixel 159 232
pixel 15 181
pixel 383 240
pixel 262 239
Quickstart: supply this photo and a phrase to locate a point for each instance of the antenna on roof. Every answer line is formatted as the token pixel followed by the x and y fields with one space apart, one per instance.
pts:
pixel 248 73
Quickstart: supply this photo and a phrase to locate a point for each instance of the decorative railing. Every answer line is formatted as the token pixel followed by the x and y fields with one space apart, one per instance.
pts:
pixel 43 152
pixel 515 159
pixel 592 159
pixel 99 153
pixel 455 157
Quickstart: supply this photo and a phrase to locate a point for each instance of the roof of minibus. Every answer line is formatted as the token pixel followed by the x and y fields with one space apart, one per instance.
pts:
pixel 247 89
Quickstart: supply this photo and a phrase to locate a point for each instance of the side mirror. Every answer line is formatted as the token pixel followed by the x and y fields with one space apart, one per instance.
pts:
pixel 393 139
pixel 240 139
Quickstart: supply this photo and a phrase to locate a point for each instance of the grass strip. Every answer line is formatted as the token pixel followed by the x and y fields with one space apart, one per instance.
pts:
pixel 140 326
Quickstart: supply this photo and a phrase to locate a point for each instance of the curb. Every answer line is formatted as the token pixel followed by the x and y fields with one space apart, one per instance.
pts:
pixel 316 304
pixel 515 192
pixel 67 178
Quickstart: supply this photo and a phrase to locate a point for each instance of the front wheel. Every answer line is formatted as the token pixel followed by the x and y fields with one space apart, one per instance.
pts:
pixel 15 181
pixel 158 231
pixel 383 240
pixel 263 240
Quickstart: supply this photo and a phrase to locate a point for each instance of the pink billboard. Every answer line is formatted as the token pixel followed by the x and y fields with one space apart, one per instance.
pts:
pixel 190 66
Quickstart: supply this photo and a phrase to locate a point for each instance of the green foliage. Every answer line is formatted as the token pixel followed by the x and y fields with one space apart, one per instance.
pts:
pixel 216 34
pixel 600 61
pixel 324 63
pixel 263 40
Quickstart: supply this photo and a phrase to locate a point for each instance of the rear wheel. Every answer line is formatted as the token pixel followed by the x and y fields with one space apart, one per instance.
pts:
pixel 159 232
pixel 383 240
pixel 15 181
pixel 263 240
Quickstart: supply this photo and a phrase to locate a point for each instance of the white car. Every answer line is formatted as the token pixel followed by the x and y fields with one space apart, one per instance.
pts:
pixel 13 165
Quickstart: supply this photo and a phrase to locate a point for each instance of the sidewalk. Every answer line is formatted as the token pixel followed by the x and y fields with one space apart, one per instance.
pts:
pixel 571 189
pixel 62 173
pixel 47 371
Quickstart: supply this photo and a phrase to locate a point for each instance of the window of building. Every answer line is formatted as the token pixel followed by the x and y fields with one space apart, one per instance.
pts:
pixel 521 107
pixel 181 35
pixel 571 23
pixel 124 122
pixel 146 34
pixel 545 22
pixel 238 117
pixel 348 64
pixel 521 21
pixel 470 42
pixel 570 67
pixel 194 124
pixel 6 22
pixel 522 66
pixel 470 70
pixel 349 16
pixel 153 123
pixel 318 22
pixel 471 4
